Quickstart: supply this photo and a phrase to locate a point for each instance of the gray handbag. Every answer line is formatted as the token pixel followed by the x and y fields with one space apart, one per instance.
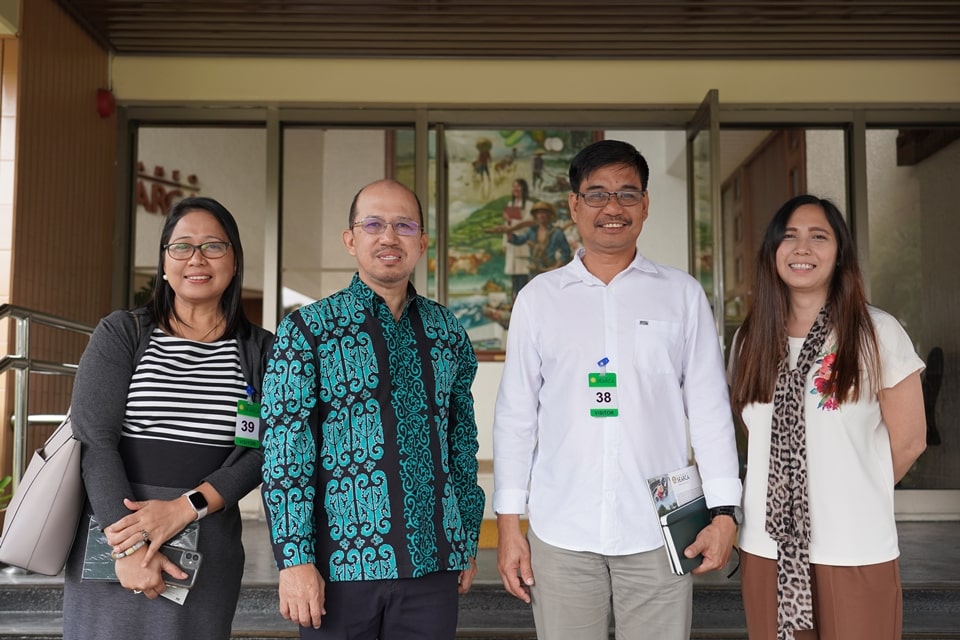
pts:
pixel 41 519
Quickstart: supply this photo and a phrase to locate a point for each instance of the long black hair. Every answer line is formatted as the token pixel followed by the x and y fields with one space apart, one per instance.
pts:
pixel 524 191
pixel 763 334
pixel 161 300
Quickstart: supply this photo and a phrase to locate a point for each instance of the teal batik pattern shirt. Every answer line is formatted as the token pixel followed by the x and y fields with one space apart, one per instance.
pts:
pixel 370 439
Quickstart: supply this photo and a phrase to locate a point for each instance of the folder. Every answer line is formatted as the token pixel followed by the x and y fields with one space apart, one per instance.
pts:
pixel 680 529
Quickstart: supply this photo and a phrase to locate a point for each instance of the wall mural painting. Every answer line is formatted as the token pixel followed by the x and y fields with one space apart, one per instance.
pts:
pixel 509 221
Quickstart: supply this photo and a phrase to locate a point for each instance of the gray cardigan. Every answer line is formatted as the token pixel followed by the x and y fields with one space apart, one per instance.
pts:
pixel 99 403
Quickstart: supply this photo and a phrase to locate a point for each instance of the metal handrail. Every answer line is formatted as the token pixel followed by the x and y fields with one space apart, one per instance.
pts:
pixel 23 365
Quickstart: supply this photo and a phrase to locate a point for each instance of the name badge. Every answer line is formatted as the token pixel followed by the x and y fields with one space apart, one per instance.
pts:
pixel 247 433
pixel 602 388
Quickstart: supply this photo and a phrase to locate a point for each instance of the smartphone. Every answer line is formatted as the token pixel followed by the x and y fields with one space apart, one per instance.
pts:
pixel 187 560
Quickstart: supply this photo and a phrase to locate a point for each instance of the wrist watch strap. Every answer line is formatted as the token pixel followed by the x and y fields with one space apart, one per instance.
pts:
pixel 734 512
pixel 198 502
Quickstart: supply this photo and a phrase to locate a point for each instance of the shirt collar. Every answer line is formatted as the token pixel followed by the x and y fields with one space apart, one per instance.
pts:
pixel 371 298
pixel 576 271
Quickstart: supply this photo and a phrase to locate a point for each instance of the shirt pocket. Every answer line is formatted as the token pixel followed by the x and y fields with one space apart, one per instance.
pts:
pixel 658 346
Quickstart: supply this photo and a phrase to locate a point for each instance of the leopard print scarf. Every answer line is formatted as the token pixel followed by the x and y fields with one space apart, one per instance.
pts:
pixel 788 518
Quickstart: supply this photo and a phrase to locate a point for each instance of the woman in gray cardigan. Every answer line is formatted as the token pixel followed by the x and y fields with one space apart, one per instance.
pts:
pixel 165 397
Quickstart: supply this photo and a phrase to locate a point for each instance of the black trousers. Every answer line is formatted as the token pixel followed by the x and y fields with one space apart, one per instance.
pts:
pixel 410 609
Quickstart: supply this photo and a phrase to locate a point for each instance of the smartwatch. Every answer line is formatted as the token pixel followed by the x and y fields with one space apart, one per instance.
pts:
pixel 733 511
pixel 197 502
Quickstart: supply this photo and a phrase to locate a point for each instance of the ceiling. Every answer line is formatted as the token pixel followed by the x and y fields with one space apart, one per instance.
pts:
pixel 491 29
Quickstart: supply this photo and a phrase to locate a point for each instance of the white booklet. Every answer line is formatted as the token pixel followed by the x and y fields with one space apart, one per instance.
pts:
pixel 672 490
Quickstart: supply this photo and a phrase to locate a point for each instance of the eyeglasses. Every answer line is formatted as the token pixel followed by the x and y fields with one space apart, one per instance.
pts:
pixel 601 198
pixel 376 226
pixel 185 250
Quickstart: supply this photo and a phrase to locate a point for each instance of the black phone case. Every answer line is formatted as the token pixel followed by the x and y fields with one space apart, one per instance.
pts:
pixel 187 560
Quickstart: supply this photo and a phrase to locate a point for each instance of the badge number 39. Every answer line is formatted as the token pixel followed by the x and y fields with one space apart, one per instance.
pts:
pixel 247 433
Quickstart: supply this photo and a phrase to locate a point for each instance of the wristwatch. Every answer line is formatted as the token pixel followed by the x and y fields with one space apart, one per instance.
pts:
pixel 734 512
pixel 197 502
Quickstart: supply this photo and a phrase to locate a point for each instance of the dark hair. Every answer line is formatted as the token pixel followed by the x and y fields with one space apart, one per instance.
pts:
pixel 160 304
pixel 605 153
pixel 353 205
pixel 763 335
pixel 524 189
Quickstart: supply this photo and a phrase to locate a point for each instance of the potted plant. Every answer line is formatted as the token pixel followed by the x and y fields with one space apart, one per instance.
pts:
pixel 6 494
pixel 6 491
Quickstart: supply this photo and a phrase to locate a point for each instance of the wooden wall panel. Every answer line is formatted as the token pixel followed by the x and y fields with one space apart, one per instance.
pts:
pixel 65 170
pixel 723 29
pixel 10 52
pixel 62 254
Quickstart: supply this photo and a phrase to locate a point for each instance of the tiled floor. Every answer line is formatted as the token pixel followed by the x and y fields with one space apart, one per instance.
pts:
pixel 930 568
pixel 930 554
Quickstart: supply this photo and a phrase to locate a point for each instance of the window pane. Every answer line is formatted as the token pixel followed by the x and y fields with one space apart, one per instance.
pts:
pixel 217 162
pixel 322 171
pixel 761 170
pixel 913 184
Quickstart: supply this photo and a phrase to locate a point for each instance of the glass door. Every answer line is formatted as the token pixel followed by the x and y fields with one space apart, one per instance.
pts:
pixel 912 187
pixel 703 200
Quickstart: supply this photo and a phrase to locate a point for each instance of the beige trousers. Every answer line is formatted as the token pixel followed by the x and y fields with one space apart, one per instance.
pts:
pixel 577 595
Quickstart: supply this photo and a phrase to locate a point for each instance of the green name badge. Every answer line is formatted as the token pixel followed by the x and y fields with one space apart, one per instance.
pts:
pixel 247 433
pixel 603 395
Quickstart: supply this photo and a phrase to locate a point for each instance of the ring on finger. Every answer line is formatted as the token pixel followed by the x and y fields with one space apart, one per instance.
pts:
pixel 145 535
pixel 137 591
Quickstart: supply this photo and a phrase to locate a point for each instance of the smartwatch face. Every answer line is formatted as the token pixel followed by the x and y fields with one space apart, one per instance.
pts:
pixel 198 501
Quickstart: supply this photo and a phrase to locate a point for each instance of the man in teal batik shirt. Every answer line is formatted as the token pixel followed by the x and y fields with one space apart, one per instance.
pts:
pixel 370 443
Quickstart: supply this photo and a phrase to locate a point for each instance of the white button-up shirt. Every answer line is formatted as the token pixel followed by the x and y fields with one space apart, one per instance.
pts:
pixel 583 480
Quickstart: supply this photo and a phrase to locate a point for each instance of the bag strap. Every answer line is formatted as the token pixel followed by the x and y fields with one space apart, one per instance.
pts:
pixel 141 345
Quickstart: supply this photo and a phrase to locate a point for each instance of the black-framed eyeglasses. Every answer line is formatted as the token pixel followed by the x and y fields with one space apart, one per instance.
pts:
pixel 601 198
pixel 376 226
pixel 185 250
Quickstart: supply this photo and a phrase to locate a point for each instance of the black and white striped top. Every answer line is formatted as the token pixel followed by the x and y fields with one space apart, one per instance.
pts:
pixel 185 391
pixel 181 409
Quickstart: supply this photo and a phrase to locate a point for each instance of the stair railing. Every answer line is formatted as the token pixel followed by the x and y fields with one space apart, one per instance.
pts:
pixel 23 365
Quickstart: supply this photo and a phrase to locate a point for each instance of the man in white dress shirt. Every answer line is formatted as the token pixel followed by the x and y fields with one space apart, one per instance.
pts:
pixel 608 359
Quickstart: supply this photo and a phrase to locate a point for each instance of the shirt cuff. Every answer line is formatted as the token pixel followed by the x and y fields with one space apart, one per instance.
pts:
pixel 293 554
pixel 722 492
pixel 510 501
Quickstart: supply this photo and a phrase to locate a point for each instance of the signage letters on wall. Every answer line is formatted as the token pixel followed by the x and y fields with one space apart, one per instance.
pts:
pixel 156 193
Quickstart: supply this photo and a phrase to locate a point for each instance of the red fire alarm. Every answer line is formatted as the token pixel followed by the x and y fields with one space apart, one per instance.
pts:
pixel 106 104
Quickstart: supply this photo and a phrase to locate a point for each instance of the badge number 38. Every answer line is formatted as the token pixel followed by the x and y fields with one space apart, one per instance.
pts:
pixel 603 395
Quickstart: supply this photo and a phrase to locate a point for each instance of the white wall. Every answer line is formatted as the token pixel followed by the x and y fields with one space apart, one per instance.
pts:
pixel 323 169
pixel 473 84
pixel 664 238
pixel 826 166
